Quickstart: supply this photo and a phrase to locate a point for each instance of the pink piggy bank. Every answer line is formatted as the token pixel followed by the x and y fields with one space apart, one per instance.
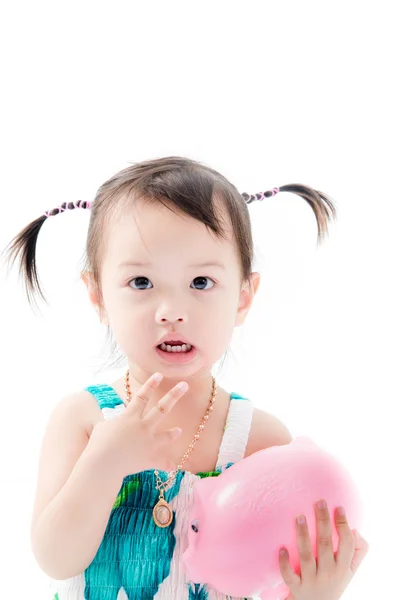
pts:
pixel 241 518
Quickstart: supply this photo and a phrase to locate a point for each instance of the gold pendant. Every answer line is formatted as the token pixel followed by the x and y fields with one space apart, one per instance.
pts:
pixel 162 512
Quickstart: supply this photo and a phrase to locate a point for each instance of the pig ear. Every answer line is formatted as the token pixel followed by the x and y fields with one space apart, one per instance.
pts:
pixel 203 489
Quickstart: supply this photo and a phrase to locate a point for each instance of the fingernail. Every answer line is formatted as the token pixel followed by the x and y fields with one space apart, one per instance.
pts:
pixel 157 377
pixel 341 511
pixel 322 504
pixel 182 386
pixel 301 519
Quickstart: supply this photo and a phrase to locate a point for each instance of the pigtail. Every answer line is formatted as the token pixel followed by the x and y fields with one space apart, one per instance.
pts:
pixel 23 246
pixel 322 205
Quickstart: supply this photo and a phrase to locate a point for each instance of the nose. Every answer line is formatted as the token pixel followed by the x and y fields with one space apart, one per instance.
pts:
pixel 170 316
pixel 163 319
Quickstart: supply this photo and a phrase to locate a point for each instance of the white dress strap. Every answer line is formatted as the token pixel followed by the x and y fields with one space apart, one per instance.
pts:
pixel 236 431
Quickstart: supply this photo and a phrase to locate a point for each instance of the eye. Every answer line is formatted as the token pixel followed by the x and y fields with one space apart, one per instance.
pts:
pixel 203 278
pixel 142 281
pixel 194 525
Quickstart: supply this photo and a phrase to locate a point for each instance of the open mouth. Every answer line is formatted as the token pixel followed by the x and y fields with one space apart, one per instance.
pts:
pixel 176 353
pixel 175 347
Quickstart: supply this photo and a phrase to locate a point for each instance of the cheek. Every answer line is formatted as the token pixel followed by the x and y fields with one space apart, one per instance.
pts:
pixel 217 334
pixel 224 314
pixel 127 327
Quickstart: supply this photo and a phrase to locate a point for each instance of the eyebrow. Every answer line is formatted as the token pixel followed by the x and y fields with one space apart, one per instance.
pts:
pixel 147 264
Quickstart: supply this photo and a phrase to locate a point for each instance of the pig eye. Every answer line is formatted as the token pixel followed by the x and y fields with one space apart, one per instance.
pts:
pixel 194 525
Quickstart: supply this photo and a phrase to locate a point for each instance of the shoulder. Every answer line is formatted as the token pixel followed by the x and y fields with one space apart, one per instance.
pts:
pixel 81 407
pixel 266 431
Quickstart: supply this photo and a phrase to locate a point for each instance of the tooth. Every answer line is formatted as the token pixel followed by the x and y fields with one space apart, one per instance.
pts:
pixel 188 347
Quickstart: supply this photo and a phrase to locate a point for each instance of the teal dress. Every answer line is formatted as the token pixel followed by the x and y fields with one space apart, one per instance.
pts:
pixel 137 560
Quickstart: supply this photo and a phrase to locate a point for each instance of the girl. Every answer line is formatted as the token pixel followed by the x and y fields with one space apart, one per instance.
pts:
pixel 112 500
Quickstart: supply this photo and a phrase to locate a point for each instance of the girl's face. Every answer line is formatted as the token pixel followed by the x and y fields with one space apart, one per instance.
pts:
pixel 172 293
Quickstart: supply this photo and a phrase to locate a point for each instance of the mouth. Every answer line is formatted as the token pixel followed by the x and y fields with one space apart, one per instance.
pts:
pixel 175 346
pixel 176 353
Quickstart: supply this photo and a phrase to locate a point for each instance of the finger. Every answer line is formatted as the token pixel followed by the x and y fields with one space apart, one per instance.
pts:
pixel 306 555
pixel 360 552
pixel 155 415
pixel 347 542
pixel 143 395
pixel 165 437
pixel 326 558
pixel 292 579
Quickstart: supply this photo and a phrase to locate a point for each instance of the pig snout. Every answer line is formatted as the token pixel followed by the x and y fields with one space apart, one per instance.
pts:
pixel 189 565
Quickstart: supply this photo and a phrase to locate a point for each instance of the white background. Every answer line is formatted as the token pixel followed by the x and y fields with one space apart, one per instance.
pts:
pixel 268 94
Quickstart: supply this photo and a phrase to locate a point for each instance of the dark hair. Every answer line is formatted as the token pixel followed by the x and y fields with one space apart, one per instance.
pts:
pixel 189 186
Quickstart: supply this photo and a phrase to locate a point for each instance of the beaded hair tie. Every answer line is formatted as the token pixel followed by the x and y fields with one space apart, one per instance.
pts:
pixel 252 197
pixel 67 206
pixel 248 198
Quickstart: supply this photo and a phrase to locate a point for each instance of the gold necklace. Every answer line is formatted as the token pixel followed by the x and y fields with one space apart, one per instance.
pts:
pixel 162 512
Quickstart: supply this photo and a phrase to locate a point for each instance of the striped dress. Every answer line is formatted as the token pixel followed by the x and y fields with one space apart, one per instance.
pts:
pixel 137 560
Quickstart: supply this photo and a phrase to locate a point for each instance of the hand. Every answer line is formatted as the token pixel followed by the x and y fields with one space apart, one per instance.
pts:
pixel 335 570
pixel 131 444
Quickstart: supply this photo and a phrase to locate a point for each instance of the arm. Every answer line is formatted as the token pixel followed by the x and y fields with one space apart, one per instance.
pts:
pixel 266 431
pixel 68 533
pixel 75 495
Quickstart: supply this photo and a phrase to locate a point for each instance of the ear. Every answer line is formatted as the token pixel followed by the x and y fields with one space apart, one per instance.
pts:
pixel 88 281
pixel 246 297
